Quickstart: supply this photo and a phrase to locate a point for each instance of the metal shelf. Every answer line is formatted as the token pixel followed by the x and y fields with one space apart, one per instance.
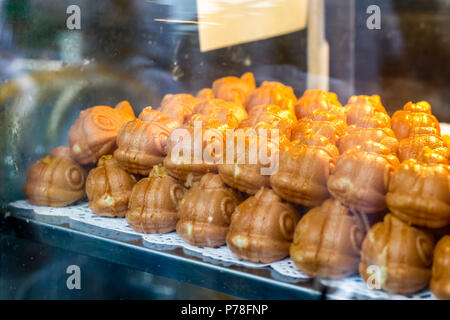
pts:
pixel 173 263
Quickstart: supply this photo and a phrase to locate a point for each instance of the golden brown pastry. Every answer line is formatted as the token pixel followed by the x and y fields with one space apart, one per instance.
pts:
pixel 399 254
pixel 374 100
pixel 141 145
pixel 354 136
pixel 367 112
pixel 187 161
pixel 56 180
pixel 273 115
pixel 234 88
pixel 205 212
pixel 314 101
pixel 148 114
pixel 108 188
pixel 327 241
pixel 413 115
pixel 226 112
pixel 179 106
pixel 271 92
pixel 360 178
pixel 440 275
pixel 446 139
pixel 330 129
pixel 303 172
pixel 205 94
pixel 154 202
pixel 422 137
pixel 419 191
pixel 262 228
pixel 94 133
pixel 246 170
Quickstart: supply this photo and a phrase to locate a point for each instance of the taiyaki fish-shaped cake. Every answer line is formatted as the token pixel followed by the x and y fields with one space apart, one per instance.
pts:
pixel 419 191
pixel 193 152
pixel 149 114
pixel 234 88
pixel 205 94
pixel 141 145
pixel 314 101
pixel 272 115
pixel 440 275
pixel 327 241
pixel 262 228
pixel 95 131
pixel 179 106
pixel 56 180
pixel 108 188
pixel 413 115
pixel 304 168
pixel 421 137
pixel 396 257
pixel 324 124
pixel 205 212
pixel 361 176
pixel 272 92
pixel 227 112
pixel 154 203
pixel 249 169
pixel 354 136
pixel 367 112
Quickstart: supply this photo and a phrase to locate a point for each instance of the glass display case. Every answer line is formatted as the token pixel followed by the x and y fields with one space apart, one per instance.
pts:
pixel 101 101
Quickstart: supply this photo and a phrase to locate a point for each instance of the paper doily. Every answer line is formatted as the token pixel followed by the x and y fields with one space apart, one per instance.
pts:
pixel 80 217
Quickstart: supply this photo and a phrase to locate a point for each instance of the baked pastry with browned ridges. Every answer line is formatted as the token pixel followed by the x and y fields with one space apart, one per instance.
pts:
pixel 396 257
pixel 440 275
pixel 272 115
pixel 314 101
pixel 108 188
pixel 327 241
pixel 227 112
pixel 179 106
pixel 56 180
pixel 154 203
pixel 419 191
pixel 95 131
pixel 249 169
pixel 149 114
pixel 205 212
pixel 304 168
pixel 422 137
pixel 322 123
pixel 194 151
pixel 205 94
pixel 141 145
pixel 234 88
pixel 413 115
pixel 354 136
pixel 367 112
pixel 272 92
pixel 262 228
pixel 360 178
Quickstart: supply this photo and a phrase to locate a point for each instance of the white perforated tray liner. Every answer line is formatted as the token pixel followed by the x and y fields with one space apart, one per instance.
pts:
pixel 80 217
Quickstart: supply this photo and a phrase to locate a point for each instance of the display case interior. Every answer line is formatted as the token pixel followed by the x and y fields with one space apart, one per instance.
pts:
pixel 345 104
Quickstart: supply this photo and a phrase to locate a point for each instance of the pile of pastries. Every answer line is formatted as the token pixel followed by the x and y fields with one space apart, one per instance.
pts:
pixel 355 191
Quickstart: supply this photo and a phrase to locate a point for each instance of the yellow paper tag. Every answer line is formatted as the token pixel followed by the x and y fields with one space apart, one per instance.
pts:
pixel 224 23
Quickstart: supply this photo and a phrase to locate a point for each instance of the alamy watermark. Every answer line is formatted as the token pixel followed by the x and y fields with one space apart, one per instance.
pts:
pixel 374 20
pixel 375 279
pixel 73 21
pixel 74 280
